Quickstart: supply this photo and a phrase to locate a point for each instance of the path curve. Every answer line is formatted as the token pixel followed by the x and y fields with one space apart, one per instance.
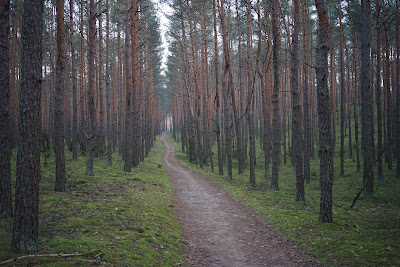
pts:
pixel 220 231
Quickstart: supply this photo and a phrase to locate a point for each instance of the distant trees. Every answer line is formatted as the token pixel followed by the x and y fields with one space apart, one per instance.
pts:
pixel 268 50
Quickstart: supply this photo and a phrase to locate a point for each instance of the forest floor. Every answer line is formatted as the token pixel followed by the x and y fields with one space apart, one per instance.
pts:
pixel 220 231
pixel 120 218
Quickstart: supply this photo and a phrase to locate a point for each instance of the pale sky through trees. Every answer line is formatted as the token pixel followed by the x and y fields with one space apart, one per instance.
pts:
pixel 163 10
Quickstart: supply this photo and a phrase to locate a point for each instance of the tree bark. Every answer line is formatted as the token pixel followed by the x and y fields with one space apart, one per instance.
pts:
pixel 306 102
pixel 366 98
pixel 297 129
pixel 324 115
pixel 128 108
pixel 100 144
pixel 250 96
pixel 5 110
pixel 74 85
pixel 378 90
pixel 26 222
pixel 59 101
pixel 91 137
pixel 108 88
pixel 398 89
pixel 226 87
pixel 342 93
pixel 275 97
pixel 386 82
pixel 217 98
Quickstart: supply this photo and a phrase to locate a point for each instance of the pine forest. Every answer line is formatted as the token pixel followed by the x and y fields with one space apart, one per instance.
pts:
pixel 199 132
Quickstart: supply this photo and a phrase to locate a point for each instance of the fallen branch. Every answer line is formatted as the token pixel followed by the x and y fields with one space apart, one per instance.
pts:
pixel 48 255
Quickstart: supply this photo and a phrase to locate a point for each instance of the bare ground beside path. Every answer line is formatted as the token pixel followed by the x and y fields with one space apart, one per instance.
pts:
pixel 220 231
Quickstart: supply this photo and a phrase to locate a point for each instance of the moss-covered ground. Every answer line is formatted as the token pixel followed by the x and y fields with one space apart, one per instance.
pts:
pixel 366 235
pixel 129 217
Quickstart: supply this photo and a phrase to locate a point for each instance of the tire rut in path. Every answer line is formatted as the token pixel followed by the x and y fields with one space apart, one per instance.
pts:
pixel 220 231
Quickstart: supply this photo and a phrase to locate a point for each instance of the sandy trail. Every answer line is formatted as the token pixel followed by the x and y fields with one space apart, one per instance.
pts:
pixel 220 231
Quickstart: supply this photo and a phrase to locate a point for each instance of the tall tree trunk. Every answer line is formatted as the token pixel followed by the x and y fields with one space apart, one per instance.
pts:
pixel 5 108
pixel 128 88
pixel 324 113
pixel 297 129
pixel 241 153
pixel 197 89
pixel 108 88
pixel 217 101
pixel 74 85
pixel 306 102
pixel 91 136
pixel 342 93
pixel 81 81
pixel 206 107
pixel 263 96
pixel 366 98
pixel 135 82
pixel 349 100
pixel 386 81
pixel 378 90
pixel 275 97
pixel 59 100
pixel 226 87
pixel 398 89
pixel 250 96
pixel 100 144
pixel 26 223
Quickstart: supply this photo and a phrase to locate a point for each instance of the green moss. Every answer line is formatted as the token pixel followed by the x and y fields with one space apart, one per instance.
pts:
pixel 129 216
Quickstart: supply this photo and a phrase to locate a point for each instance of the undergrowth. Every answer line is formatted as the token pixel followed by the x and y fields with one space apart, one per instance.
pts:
pixel 129 217
pixel 367 235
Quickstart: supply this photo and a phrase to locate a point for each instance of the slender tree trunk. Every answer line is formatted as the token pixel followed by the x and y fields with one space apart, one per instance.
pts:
pixel 275 97
pixel 100 144
pixel 226 87
pixel 108 88
pixel 90 94
pixel 81 81
pixel 241 153
pixel 297 129
pixel 398 89
pixel 306 103
pixel 386 81
pixel 206 107
pixel 128 108
pixel 263 96
pixel 59 100
pixel 26 223
pixel 74 85
pixel 135 82
pixel 342 93
pixel 378 90
pixel 366 98
pixel 5 110
pixel 251 96
pixel 217 101
pixel 324 113
pixel 349 101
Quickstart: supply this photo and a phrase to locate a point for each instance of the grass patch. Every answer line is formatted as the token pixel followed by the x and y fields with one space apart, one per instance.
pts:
pixel 131 216
pixel 367 235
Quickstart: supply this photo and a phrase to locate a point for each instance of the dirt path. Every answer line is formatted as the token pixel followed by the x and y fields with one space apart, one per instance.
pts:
pixel 220 231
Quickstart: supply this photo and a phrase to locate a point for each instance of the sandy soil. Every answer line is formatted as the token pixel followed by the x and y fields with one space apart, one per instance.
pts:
pixel 220 231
